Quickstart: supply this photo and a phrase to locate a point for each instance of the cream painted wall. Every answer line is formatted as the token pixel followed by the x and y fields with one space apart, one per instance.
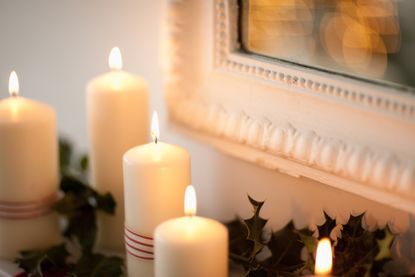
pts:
pixel 56 46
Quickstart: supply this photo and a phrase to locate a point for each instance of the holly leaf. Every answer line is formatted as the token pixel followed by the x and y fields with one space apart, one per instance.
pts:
pixel 360 252
pixel 39 261
pixel 325 229
pixel 239 247
pixel 384 240
pixel 286 247
pixel 97 265
pixel 255 226
pixel 246 239
pixel 310 243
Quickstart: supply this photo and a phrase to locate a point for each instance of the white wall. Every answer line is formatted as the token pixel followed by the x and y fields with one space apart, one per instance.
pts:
pixel 56 46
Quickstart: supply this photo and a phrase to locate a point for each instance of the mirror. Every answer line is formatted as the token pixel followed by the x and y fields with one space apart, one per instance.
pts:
pixel 369 39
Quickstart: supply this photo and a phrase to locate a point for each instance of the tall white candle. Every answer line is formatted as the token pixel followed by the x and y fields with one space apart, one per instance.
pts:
pixel 117 106
pixel 28 173
pixel 191 246
pixel 155 177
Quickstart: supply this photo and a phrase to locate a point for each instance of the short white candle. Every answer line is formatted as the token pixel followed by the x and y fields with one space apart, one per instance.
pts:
pixel 155 178
pixel 29 174
pixel 117 106
pixel 191 246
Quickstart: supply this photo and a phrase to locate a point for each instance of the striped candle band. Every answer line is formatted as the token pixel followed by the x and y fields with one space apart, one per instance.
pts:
pixel 27 209
pixel 138 245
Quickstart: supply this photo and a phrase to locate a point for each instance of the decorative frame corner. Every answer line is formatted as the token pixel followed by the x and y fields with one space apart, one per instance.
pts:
pixel 202 53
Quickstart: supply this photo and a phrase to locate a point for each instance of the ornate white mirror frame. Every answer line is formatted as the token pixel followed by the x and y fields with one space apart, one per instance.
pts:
pixel 347 133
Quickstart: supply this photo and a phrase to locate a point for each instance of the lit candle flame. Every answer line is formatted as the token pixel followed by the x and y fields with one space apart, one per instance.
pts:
pixel 13 84
pixel 155 130
pixel 324 257
pixel 190 201
pixel 115 59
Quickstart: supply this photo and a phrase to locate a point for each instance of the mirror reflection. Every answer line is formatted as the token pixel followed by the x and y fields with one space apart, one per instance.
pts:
pixel 373 39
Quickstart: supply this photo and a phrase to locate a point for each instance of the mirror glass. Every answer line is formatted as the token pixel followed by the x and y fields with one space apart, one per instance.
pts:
pixel 370 39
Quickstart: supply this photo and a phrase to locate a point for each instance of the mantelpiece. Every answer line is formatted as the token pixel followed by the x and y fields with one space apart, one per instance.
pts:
pixel 351 134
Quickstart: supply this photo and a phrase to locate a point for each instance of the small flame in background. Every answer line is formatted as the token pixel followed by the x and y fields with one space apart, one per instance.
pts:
pixel 190 201
pixel 115 59
pixel 155 129
pixel 356 35
pixel 13 84
pixel 324 258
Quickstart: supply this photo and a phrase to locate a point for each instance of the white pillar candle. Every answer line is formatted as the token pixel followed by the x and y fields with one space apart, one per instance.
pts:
pixel 191 246
pixel 117 108
pixel 155 177
pixel 29 174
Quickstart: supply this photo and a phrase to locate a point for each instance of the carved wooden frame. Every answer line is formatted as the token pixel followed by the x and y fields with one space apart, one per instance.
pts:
pixel 347 133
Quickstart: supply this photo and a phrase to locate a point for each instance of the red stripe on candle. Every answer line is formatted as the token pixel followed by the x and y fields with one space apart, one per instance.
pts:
pixel 138 235
pixel 26 210
pixel 136 241
pixel 139 249
pixel 24 215
pixel 48 198
pixel 140 257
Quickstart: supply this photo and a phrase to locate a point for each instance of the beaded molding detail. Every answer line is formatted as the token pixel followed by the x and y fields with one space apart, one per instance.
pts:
pixel 358 163
pixel 226 42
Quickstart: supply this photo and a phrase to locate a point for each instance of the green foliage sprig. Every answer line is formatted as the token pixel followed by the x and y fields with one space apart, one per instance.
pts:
pixel 78 206
pixel 357 251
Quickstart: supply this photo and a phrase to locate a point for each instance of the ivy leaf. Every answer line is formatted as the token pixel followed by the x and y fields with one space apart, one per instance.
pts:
pixel 37 262
pixel 97 265
pixel 325 229
pixel 255 226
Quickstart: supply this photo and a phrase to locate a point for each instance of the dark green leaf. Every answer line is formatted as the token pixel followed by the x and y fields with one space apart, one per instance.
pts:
pixel 239 247
pixel 35 262
pixel 105 203
pixel 360 252
pixel 79 206
pixel 310 243
pixel 285 246
pixel 83 163
pixel 255 226
pixel 97 265
pixel 327 227
pixel 65 154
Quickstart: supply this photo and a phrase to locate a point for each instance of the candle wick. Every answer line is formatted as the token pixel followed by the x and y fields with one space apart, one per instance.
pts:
pixel 155 140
